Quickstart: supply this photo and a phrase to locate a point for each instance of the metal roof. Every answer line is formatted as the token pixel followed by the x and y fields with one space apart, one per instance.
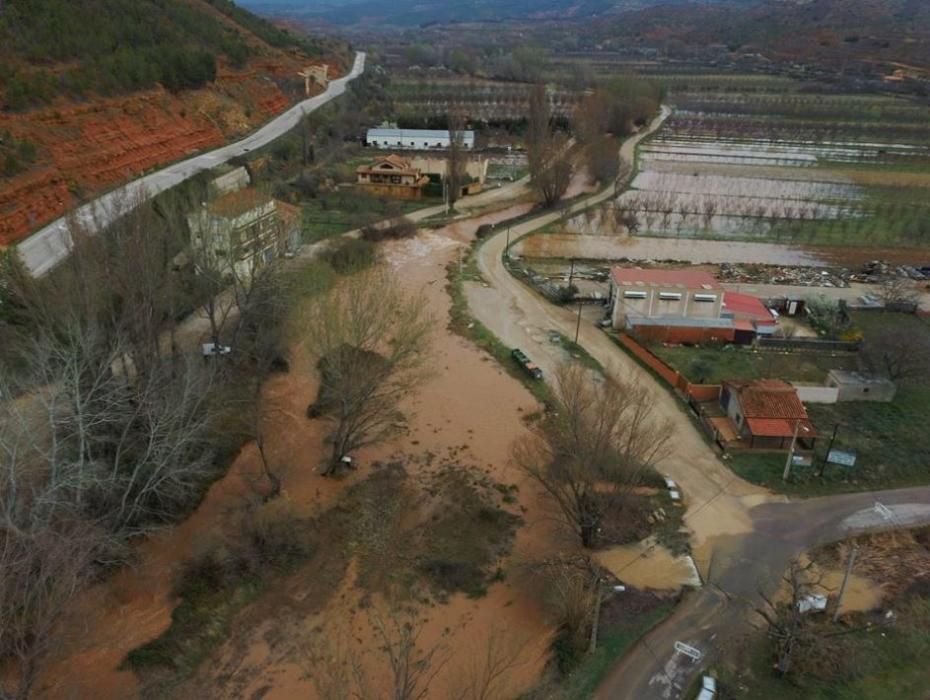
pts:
pixel 416 133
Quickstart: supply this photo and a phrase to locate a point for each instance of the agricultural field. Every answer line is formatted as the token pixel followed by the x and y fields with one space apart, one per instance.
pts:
pixel 482 100
pixel 774 160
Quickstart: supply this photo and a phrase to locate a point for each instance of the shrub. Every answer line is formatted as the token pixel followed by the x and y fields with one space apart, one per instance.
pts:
pixel 395 230
pixel 351 255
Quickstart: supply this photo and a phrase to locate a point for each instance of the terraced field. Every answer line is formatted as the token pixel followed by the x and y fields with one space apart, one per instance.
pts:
pixel 773 163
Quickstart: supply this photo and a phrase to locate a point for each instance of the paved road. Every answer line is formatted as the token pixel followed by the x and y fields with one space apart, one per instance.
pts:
pixel 743 536
pixel 52 244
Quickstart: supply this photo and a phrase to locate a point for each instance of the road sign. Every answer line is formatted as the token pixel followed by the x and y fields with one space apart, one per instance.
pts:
pixel 688 650
pixel 845 458
pixel 883 511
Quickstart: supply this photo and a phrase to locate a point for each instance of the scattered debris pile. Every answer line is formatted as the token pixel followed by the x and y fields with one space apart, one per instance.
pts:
pixel 899 561
pixel 882 271
pixel 778 274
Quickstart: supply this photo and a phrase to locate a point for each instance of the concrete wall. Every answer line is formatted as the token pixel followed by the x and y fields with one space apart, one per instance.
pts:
pixel 697 392
pixel 809 393
pixel 677 335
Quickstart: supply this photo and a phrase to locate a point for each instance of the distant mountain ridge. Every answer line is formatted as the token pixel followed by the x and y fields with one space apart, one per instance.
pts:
pixel 405 13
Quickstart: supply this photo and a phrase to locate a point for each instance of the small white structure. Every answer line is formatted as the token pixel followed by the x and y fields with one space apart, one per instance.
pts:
pixel 416 139
pixel 861 386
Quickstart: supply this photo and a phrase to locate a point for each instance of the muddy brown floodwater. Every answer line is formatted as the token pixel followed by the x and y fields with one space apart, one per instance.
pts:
pixel 470 404
pixel 600 247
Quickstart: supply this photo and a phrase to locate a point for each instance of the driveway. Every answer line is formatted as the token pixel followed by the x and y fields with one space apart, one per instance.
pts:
pixel 52 244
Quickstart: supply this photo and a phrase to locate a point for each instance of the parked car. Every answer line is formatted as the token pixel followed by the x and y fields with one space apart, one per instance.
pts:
pixel 214 350
pixel 525 362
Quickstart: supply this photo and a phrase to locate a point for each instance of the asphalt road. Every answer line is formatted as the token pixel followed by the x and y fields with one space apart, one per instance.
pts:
pixel 52 244
pixel 744 536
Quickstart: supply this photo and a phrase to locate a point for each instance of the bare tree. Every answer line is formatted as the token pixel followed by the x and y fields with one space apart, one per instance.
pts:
pixel 800 644
pixel 42 568
pixel 485 674
pixel 899 291
pixel 597 443
pixel 412 667
pixel 456 159
pixel 333 669
pixel 898 352
pixel 370 341
pixel 548 153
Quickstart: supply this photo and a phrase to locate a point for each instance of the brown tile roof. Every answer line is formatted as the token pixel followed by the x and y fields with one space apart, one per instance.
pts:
pixel 691 279
pixel 238 203
pixel 772 408
pixel 400 163
pixel 768 398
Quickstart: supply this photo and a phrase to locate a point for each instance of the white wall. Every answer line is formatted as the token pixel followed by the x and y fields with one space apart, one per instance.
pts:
pixel 809 393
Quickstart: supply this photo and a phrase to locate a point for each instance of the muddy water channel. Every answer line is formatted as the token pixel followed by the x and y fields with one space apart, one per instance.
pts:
pixel 469 408
pixel 616 247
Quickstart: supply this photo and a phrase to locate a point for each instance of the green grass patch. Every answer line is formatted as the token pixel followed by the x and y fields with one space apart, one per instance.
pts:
pixel 890 439
pixel 885 663
pixel 334 213
pixel 588 675
pixel 711 365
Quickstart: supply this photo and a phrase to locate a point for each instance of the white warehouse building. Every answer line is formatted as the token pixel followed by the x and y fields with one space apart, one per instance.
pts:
pixel 415 139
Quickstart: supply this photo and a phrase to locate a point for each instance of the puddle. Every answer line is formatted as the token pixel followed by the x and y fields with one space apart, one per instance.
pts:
pixel 647 564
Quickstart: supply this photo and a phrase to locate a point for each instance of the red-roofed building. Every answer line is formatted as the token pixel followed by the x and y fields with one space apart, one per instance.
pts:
pixel 767 413
pixel 746 308
pixel 663 294
pixel 684 306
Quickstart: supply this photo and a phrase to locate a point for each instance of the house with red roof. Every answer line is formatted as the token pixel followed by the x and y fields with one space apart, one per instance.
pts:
pixel 684 306
pixel 767 414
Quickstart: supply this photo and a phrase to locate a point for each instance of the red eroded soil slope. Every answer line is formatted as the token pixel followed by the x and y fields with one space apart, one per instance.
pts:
pixel 89 148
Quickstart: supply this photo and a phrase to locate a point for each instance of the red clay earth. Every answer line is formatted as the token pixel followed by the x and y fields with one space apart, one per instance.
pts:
pixel 87 148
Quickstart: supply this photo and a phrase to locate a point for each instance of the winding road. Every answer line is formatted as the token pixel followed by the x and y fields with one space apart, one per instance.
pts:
pixel 743 536
pixel 52 244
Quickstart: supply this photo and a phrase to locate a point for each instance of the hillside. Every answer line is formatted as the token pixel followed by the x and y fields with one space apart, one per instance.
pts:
pixel 408 13
pixel 97 92
pixel 839 33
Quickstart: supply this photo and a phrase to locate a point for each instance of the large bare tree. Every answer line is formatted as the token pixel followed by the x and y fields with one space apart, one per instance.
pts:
pixel 548 152
pixel 42 568
pixel 370 341
pixel 594 446
pixel 456 159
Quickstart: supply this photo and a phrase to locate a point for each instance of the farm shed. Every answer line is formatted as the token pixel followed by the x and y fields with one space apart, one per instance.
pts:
pixel 663 294
pixel 416 139
pixel 766 413
pixel 861 386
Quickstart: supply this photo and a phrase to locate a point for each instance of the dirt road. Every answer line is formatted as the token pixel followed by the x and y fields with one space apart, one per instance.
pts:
pixel 52 244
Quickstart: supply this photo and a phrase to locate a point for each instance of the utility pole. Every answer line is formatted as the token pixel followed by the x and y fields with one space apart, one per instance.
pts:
pixel 794 440
pixel 849 565
pixel 578 323
pixel 596 618
pixel 823 464
pixel 571 273
pixel 507 245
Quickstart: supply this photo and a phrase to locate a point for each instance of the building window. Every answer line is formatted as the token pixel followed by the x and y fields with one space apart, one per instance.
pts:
pixel 670 296
pixel 705 297
pixel 634 295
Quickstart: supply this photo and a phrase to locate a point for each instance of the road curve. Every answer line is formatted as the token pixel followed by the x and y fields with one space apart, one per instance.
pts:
pixel 52 244
pixel 744 536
